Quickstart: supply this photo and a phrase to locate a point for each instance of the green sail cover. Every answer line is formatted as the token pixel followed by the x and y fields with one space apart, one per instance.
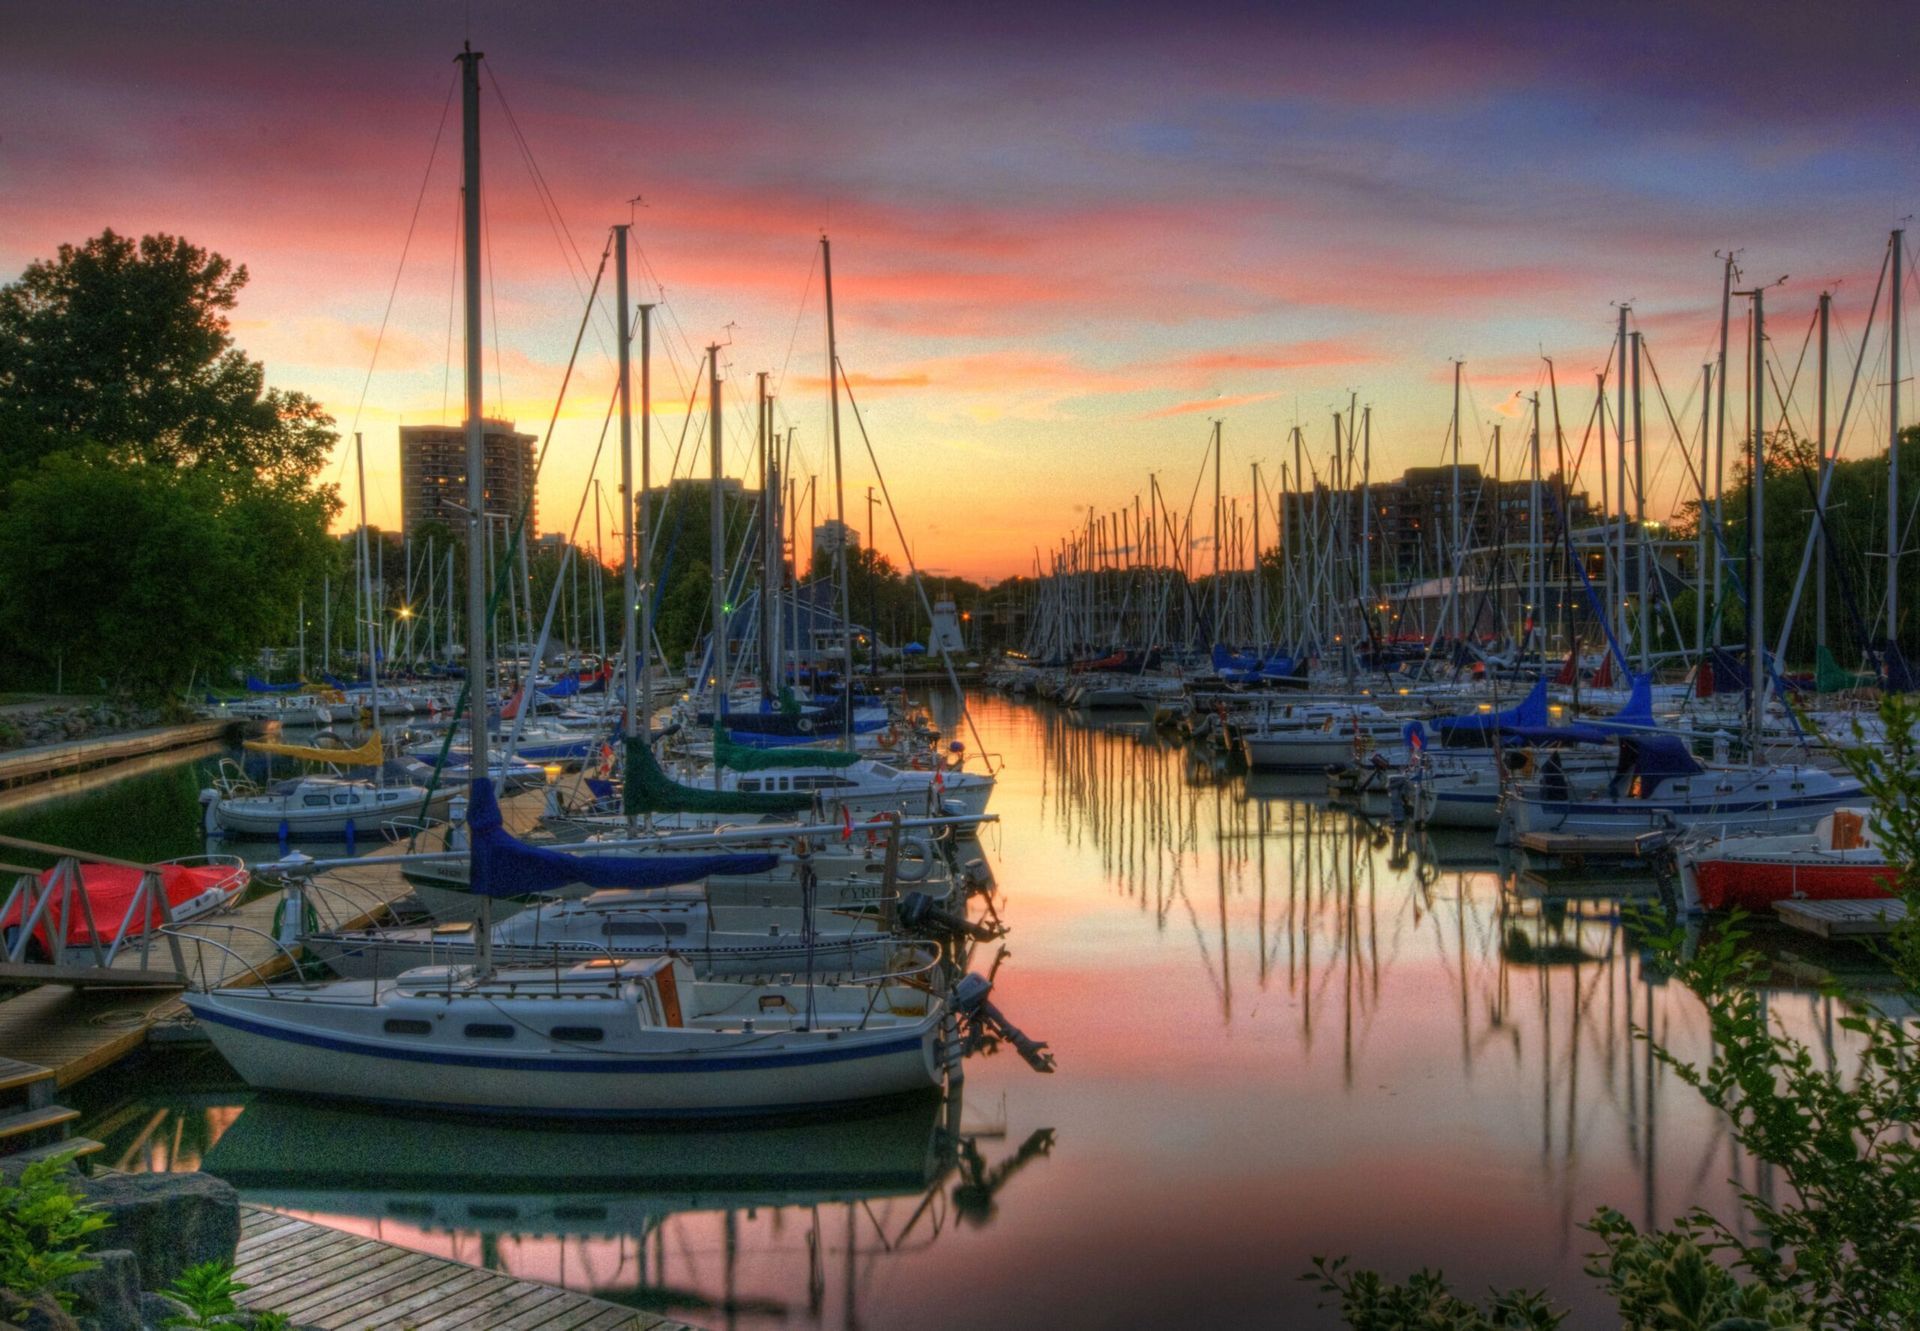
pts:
pixel 746 758
pixel 1829 677
pixel 647 789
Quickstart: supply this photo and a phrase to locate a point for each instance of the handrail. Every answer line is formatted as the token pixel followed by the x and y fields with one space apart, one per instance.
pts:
pixel 67 852
pixel 200 962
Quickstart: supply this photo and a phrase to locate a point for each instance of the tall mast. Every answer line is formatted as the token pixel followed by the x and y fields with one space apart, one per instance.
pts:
pixel 476 437
pixel 1898 241
pixel 768 507
pixel 629 577
pixel 1366 514
pixel 1757 533
pixel 1535 553
pixel 840 505
pixel 1706 514
pixel 1820 500
pixel 716 548
pixel 366 577
pixel 1453 598
pixel 1219 626
pixel 641 519
pixel 1259 592
pixel 1720 447
pixel 1619 557
pixel 1645 550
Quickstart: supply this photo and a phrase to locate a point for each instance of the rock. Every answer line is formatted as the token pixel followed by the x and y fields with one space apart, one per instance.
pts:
pixel 43 1313
pixel 107 1298
pixel 156 1310
pixel 170 1221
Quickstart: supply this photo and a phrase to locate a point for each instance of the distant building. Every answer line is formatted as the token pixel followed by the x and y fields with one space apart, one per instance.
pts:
pixel 433 473
pixel 830 538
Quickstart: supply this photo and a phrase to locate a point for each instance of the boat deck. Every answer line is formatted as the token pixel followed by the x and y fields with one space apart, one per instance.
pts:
pixel 326 1277
pixel 78 1030
pixel 1866 918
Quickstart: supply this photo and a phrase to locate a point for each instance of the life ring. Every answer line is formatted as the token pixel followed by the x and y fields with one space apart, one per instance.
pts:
pixel 924 860
pixel 805 725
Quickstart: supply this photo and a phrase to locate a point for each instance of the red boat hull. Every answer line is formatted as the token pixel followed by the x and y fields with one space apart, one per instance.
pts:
pixel 1755 885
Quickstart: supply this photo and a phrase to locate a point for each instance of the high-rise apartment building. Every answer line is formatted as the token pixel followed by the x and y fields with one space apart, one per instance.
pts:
pixel 433 473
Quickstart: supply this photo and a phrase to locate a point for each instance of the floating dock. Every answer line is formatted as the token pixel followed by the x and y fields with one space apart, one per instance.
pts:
pixel 326 1277
pixel 78 1028
pixel 1874 918
pixel 47 760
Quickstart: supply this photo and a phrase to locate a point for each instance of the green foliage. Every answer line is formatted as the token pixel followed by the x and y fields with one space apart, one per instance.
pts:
pixel 126 344
pixel 212 1296
pixel 1839 1233
pixel 1425 1303
pixel 139 575
pixel 45 1226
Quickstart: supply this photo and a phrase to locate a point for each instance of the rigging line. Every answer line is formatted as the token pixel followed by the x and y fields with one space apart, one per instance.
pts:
pixel 907 552
pixel 453 302
pixel 493 310
pixel 393 291
pixel 806 290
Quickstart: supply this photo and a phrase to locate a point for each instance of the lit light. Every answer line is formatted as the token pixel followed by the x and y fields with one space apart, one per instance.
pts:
pixel 553 771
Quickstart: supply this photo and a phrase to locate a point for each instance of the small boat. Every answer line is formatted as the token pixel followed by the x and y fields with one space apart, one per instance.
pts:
pixel 195 886
pixel 310 807
pixel 1838 860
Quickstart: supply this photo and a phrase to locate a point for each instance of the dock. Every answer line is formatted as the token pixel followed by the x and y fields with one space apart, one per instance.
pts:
pixel 79 1028
pixel 1857 918
pixel 1576 850
pixel 47 760
pixel 330 1278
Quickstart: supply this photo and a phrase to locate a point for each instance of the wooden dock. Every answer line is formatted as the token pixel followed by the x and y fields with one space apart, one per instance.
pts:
pixel 326 1277
pixel 1843 919
pixel 45 760
pixel 78 1030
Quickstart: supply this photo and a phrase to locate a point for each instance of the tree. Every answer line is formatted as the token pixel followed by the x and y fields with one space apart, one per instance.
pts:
pixel 126 345
pixel 141 576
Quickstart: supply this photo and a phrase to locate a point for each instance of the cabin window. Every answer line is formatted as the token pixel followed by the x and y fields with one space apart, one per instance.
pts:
pixel 388 796
pixel 579 1034
pixel 315 801
pixel 644 928
pixel 489 1030
pixel 343 799
pixel 407 1026
pixel 750 785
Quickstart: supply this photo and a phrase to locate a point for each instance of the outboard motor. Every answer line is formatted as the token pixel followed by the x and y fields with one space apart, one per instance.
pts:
pixel 917 911
pixel 986 1026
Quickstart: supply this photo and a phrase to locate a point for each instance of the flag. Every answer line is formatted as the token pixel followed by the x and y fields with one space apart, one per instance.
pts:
pixel 846 823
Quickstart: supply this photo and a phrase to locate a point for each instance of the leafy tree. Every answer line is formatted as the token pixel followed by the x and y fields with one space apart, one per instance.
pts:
pixel 45 1232
pixel 126 344
pixel 141 576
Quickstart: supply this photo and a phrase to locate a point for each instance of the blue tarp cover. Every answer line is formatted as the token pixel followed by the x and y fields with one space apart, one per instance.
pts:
pixel 1529 711
pixel 504 866
pixel 258 685
pixel 1657 755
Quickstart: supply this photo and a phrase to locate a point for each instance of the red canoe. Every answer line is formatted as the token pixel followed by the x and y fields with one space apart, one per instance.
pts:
pixel 1837 861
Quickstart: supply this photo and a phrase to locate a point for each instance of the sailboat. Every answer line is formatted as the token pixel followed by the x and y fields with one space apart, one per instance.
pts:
pixel 609 1037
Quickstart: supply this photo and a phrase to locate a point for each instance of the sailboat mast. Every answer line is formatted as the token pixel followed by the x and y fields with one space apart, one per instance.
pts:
pixel 1756 533
pixel 716 549
pixel 1535 592
pixel 1366 514
pixel 1619 557
pixel 629 686
pixel 1898 240
pixel 840 503
pixel 366 576
pixel 1820 501
pixel 642 542
pixel 1645 550
pixel 1453 598
pixel 1707 514
pixel 476 438
pixel 1720 448
pixel 1259 592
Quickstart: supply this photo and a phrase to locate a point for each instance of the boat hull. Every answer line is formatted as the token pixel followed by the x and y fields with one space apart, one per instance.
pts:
pixel 693 1074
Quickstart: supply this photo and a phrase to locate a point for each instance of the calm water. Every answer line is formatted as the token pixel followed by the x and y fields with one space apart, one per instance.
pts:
pixel 1280 1032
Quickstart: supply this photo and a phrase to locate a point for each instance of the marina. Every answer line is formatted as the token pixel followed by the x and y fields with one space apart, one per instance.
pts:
pixel 990 669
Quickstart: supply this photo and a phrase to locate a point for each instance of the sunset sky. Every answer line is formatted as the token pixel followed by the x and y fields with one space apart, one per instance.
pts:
pixel 1064 237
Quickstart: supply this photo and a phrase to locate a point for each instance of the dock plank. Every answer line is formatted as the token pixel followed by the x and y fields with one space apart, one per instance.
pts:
pixel 346 1282
pixel 1850 918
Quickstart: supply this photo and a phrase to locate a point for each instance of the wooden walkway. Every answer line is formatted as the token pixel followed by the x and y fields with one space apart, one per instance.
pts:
pixel 78 1031
pixel 1843 919
pixel 329 1278
pixel 36 764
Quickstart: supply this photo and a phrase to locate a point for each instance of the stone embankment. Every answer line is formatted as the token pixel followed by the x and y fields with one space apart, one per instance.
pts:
pixel 28 725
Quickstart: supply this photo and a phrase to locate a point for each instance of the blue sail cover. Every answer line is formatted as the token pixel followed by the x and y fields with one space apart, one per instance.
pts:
pixel 566 688
pixel 1658 755
pixel 1730 673
pixel 1636 712
pixel 1465 730
pixel 257 685
pixel 504 866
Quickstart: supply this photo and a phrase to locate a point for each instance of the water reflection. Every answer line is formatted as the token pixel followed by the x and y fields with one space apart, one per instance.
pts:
pixel 1283 1029
pixel 741 1225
